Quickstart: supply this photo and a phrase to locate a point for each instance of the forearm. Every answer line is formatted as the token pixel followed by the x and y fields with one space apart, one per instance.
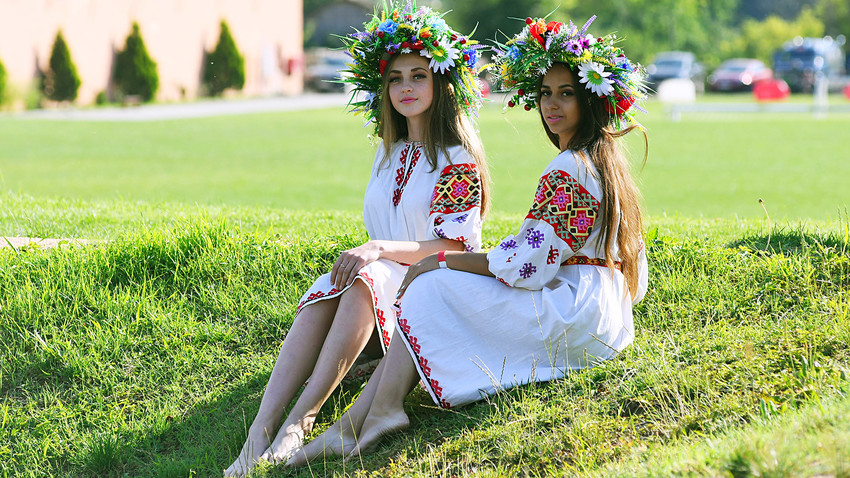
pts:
pixel 410 252
pixel 475 263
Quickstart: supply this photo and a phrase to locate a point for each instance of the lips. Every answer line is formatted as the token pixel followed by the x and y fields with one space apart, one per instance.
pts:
pixel 553 118
pixel 407 100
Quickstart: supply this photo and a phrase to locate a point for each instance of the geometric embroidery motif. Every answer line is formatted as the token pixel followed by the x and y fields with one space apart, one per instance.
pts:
pixel 457 190
pixel 402 174
pixel 567 206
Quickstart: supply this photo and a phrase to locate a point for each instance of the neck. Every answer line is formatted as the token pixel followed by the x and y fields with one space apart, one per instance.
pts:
pixel 415 128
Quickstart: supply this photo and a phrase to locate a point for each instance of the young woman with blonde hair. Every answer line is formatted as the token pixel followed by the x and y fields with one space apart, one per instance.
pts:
pixel 427 192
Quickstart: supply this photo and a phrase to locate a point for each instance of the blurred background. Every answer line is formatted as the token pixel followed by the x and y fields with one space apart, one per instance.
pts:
pixel 55 53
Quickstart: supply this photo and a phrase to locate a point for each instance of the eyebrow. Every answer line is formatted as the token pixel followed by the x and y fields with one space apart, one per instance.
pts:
pixel 565 85
pixel 418 68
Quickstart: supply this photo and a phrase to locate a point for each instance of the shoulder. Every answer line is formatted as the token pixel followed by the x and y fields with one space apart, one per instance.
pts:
pixel 570 167
pixel 454 155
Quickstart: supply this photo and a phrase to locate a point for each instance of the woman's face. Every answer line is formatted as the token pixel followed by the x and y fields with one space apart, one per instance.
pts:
pixel 411 85
pixel 558 103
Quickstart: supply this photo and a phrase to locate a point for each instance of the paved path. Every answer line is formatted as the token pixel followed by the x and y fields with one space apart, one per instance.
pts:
pixel 19 242
pixel 195 109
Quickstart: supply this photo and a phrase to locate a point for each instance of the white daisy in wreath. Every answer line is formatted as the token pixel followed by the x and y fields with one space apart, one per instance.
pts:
pixel 442 59
pixel 596 78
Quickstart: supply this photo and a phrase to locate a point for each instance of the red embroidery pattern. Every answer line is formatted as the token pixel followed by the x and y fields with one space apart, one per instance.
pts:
pixel 402 174
pixel 553 255
pixel 563 203
pixel 591 262
pixel 421 361
pixel 457 190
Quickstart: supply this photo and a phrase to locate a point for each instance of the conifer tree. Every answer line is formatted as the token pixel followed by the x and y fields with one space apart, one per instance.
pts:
pixel 61 82
pixel 135 71
pixel 224 67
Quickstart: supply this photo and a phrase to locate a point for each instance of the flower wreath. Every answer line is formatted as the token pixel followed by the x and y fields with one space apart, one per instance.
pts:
pixel 602 66
pixel 408 30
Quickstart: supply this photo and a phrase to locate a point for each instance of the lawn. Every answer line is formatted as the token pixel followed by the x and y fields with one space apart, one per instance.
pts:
pixel 145 354
pixel 707 165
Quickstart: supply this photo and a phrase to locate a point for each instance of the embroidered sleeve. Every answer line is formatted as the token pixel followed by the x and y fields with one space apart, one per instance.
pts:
pixel 558 224
pixel 456 206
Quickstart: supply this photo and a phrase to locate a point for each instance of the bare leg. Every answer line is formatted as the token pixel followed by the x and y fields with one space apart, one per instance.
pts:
pixel 378 410
pixel 386 413
pixel 339 438
pixel 349 333
pixel 294 364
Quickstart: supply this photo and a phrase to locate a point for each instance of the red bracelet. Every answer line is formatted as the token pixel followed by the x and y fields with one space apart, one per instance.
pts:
pixel 441 260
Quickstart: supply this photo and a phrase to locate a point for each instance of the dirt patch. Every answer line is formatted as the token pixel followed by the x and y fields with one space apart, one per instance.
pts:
pixel 39 243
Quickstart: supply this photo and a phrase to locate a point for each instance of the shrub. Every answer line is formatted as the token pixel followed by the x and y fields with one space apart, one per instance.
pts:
pixel 135 71
pixel 61 81
pixel 224 67
pixel 2 84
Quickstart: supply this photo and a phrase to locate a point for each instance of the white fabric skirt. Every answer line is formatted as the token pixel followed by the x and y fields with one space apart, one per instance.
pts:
pixel 471 335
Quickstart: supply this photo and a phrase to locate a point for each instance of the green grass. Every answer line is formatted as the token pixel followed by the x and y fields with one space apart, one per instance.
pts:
pixel 146 355
pixel 708 165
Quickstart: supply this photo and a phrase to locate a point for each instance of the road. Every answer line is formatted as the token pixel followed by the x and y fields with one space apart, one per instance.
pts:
pixel 195 109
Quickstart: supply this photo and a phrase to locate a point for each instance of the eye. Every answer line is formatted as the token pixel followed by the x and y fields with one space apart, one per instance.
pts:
pixel 395 79
pixel 545 93
pixel 420 76
pixel 568 93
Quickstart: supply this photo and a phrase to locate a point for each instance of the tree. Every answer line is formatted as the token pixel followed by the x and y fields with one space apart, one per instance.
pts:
pixel 835 15
pixel 135 71
pixel 61 82
pixel 224 67
pixel 488 17
pixel 760 39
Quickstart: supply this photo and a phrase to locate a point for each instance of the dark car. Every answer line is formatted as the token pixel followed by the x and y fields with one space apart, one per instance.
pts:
pixel 739 74
pixel 801 61
pixel 675 64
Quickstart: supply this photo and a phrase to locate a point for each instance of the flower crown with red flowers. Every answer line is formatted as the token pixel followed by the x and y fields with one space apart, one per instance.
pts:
pixel 602 66
pixel 408 29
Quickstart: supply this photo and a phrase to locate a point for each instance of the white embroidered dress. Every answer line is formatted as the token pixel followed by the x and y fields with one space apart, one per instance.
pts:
pixel 406 201
pixel 552 307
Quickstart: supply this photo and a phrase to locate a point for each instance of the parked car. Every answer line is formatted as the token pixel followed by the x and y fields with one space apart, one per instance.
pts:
pixel 675 64
pixel 738 74
pixel 323 69
pixel 802 60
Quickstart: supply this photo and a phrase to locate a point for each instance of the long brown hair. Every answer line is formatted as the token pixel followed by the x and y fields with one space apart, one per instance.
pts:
pixel 447 126
pixel 595 137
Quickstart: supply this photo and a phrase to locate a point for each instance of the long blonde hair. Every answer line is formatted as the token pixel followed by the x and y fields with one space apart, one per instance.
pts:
pixel 595 136
pixel 447 126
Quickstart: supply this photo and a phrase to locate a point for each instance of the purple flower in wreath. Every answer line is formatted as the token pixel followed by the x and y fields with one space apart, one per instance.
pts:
pixel 574 47
pixel 508 245
pixel 527 270
pixel 461 219
pixel 535 238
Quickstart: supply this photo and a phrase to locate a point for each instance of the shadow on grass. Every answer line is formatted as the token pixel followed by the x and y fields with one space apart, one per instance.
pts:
pixel 205 440
pixel 788 241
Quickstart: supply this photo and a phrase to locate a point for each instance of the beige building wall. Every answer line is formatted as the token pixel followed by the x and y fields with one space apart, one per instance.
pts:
pixel 268 33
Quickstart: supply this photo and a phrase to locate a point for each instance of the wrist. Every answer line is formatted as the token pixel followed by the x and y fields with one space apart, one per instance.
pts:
pixel 441 260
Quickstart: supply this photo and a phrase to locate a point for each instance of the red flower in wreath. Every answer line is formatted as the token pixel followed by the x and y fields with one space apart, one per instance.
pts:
pixel 540 29
pixel 623 104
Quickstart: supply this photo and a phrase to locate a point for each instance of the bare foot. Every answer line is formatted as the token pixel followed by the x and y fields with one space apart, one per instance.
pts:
pixel 338 440
pixel 289 439
pixel 249 456
pixel 376 427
